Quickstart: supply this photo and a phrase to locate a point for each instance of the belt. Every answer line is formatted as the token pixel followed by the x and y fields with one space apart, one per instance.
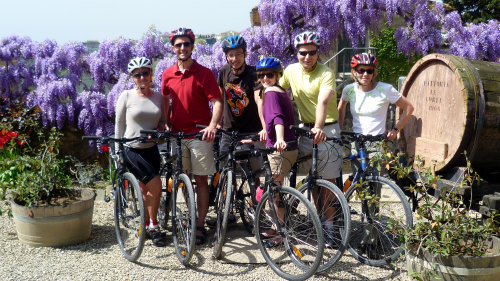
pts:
pixel 311 125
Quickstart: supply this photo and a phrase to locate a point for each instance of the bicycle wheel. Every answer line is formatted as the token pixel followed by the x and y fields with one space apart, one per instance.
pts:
pixel 335 217
pixel 223 206
pixel 183 218
pixel 299 254
pixel 130 225
pixel 244 202
pixel 376 204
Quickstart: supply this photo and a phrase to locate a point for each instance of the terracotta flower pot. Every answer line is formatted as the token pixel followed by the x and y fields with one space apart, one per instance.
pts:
pixel 55 225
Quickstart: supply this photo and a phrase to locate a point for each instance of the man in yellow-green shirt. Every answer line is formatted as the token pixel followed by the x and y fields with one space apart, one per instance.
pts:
pixel 313 88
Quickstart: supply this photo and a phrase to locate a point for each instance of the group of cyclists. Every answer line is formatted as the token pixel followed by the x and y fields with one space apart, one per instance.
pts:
pixel 247 99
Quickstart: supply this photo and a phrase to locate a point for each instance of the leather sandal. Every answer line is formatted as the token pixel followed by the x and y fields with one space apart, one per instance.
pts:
pixel 201 238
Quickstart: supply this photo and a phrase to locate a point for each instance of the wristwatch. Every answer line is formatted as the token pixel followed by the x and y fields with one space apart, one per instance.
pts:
pixel 395 129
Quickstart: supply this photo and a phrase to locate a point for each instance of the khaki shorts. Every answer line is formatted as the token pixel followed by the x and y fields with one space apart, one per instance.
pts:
pixel 198 157
pixel 329 154
pixel 282 162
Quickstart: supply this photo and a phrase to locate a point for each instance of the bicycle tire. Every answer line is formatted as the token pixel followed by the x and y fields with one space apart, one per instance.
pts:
pixel 371 242
pixel 183 219
pixel 245 204
pixel 130 219
pixel 223 206
pixel 299 255
pixel 336 237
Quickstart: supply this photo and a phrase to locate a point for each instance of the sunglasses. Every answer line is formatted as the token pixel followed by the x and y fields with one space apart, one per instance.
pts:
pixel 186 45
pixel 143 74
pixel 269 75
pixel 362 70
pixel 233 56
pixel 305 53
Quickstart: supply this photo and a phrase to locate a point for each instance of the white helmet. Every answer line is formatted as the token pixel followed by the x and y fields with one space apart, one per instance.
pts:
pixel 138 62
pixel 307 37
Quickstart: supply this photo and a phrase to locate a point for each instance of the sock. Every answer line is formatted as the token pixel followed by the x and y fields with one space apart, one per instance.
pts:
pixel 328 224
pixel 153 224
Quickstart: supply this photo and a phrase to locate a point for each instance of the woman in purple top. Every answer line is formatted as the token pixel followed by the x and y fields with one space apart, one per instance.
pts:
pixel 278 116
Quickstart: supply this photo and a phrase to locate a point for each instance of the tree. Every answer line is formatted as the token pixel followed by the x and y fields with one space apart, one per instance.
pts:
pixel 476 11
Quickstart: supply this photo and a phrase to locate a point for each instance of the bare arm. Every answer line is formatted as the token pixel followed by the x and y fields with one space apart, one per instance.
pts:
pixel 280 144
pixel 324 98
pixel 209 132
pixel 407 108
pixel 223 107
pixel 342 108
pixel 166 107
pixel 260 104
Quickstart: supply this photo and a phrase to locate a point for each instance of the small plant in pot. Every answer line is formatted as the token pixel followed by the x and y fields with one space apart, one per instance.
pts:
pixel 35 182
pixel 448 240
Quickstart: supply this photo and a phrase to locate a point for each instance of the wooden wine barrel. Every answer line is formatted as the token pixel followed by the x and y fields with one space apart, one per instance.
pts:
pixel 457 109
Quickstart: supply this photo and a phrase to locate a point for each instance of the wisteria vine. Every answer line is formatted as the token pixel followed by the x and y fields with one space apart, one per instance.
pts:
pixel 74 87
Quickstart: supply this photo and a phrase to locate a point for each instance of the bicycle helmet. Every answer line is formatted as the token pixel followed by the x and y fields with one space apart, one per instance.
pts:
pixel 307 37
pixel 181 32
pixel 270 63
pixel 363 59
pixel 233 42
pixel 138 62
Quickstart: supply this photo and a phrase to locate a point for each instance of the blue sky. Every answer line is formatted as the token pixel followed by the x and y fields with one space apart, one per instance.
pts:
pixel 70 20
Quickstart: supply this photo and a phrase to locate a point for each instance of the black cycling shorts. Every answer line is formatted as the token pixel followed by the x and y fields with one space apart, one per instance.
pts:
pixel 144 163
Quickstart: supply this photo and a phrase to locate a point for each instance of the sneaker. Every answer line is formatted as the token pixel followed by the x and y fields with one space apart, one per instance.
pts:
pixel 157 238
pixel 148 233
pixel 332 237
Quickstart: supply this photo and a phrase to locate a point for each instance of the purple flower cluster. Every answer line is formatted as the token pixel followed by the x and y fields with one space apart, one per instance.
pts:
pixel 106 64
pixel 57 101
pixel 93 118
pixel 475 41
pixel 16 71
pixel 151 46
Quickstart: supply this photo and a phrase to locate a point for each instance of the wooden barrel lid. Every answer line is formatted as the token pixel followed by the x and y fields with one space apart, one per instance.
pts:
pixel 439 125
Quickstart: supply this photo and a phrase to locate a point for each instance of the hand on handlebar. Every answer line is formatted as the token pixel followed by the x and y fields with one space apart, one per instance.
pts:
pixel 319 135
pixel 391 135
pixel 280 145
pixel 209 134
pixel 263 135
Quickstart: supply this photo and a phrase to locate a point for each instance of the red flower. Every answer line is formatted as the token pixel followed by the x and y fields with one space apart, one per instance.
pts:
pixel 21 142
pixel 12 134
pixel 104 148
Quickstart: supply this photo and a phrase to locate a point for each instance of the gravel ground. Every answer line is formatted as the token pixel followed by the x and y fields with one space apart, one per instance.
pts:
pixel 100 258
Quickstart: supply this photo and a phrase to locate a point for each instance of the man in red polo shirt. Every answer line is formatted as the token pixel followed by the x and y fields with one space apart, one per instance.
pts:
pixel 191 87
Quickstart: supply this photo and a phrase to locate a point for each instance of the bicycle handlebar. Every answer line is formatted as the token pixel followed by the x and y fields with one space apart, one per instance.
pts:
pixel 254 152
pixel 307 132
pixel 168 134
pixel 363 138
pixel 107 139
pixel 235 135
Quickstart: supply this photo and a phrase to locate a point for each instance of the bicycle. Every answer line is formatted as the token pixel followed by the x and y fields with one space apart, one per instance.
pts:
pixel 230 189
pixel 129 212
pixel 293 245
pixel 376 203
pixel 331 204
pixel 181 204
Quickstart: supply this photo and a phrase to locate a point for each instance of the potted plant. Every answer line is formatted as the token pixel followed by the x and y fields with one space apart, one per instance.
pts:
pixel 448 240
pixel 35 181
